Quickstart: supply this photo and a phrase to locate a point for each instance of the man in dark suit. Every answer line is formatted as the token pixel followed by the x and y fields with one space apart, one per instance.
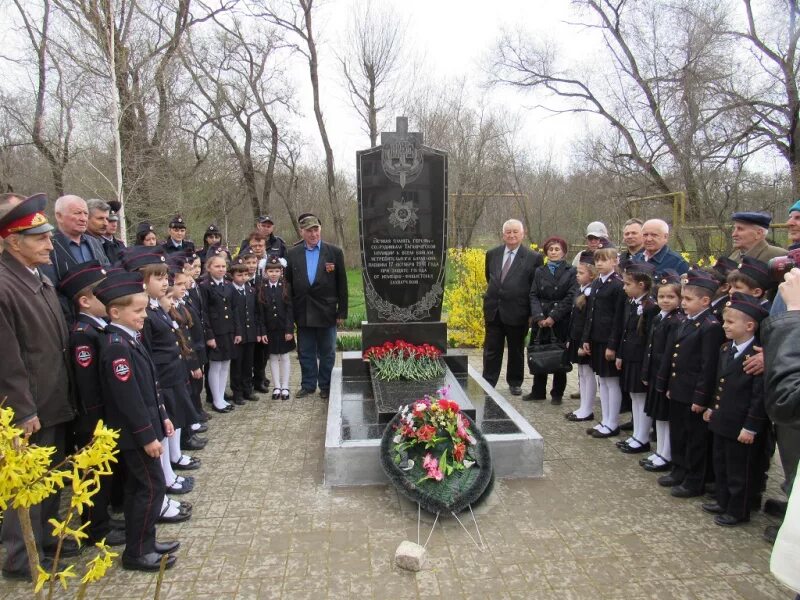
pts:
pixel 506 308
pixel 318 283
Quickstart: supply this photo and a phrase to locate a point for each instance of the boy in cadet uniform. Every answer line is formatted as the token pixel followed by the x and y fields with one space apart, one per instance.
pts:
pixel 133 405
pixel 687 377
pixel 720 271
pixel 752 277
pixel 737 418
pixel 247 331
pixel 85 341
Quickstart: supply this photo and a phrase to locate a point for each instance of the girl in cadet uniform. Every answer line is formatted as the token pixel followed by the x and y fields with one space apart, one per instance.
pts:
pixel 278 321
pixel 656 405
pixel 587 383
pixel 636 317
pixel 216 295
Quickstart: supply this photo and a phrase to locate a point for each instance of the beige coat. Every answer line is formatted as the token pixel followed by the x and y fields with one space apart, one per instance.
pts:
pixel 761 251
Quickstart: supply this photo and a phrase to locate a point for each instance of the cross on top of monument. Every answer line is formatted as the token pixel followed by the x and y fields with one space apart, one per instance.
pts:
pixel 402 133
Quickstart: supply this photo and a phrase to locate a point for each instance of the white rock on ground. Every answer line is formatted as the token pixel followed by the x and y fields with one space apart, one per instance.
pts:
pixel 410 556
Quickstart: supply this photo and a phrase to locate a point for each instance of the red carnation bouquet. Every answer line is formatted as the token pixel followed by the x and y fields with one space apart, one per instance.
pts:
pixel 433 437
pixel 400 360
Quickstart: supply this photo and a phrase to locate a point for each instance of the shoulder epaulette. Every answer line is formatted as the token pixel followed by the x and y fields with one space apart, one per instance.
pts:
pixel 79 327
pixel 114 338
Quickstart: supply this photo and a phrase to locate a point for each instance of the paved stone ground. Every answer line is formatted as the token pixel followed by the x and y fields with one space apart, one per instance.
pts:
pixel 597 526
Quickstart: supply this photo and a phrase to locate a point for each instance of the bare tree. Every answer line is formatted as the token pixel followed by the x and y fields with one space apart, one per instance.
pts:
pixel 371 61
pixel 297 18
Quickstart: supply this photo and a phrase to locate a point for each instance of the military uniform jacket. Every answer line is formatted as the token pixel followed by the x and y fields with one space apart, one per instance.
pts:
pixel 738 397
pixel 160 337
pixel 85 340
pixel 690 364
pixel 660 328
pixel 604 312
pixel 35 374
pixel 130 392
pixel 717 306
pixel 197 338
pixel 170 248
pixel 321 303
pixel 217 302
pixel 276 312
pixel 632 344
pixel 577 319
pixel 247 316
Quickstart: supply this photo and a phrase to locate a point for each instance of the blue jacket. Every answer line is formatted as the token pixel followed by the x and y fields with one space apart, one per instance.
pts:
pixel 664 259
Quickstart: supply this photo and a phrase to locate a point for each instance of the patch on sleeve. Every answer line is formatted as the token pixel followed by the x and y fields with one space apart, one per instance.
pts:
pixel 122 369
pixel 83 356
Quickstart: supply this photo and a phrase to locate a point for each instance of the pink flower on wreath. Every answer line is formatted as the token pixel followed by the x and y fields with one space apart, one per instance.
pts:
pixel 431 466
pixel 461 427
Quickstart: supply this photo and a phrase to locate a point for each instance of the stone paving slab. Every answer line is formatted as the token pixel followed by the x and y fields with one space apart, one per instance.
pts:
pixel 596 526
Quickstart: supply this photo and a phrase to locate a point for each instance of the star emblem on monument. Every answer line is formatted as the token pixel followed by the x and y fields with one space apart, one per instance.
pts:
pixel 403 214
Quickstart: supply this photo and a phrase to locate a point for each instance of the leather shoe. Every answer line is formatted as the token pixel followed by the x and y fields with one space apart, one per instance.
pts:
pixel 556 400
pixel 681 491
pixel 727 520
pixel 248 395
pixel 656 468
pixel 605 433
pixel 261 387
pixel 194 443
pixel 182 516
pixel 534 397
pixel 628 449
pixel 202 429
pixel 775 508
pixel 573 417
pixel 515 390
pixel 713 508
pixel 324 394
pixel 228 408
pixel 69 548
pixel 303 392
pixel 147 562
pixel 627 426
pixel 770 533
pixel 669 480
pixel 167 547
pixel 194 463
pixel 114 537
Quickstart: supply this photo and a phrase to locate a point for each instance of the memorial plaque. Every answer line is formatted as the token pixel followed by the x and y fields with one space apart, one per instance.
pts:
pixel 402 203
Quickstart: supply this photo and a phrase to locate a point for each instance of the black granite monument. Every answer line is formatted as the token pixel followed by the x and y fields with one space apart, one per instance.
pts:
pixel 402 204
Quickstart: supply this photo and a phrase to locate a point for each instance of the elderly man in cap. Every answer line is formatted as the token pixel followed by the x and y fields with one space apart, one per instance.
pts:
pixel 596 238
pixel 655 235
pixel 274 245
pixel 177 242
pixel 318 282
pixel 34 369
pixel 749 235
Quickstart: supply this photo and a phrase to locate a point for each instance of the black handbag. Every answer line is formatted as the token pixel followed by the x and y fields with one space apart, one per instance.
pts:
pixel 548 357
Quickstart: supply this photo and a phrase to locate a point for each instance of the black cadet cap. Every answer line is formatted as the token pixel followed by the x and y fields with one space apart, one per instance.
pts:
pixel 699 278
pixel 749 305
pixel 141 256
pixel 274 262
pixel 756 270
pixel 212 230
pixel 640 267
pixel 725 265
pixel 177 222
pixel 79 277
pixel 26 218
pixel 144 227
pixel 265 219
pixel 587 257
pixel 669 276
pixel 119 284
pixel 762 219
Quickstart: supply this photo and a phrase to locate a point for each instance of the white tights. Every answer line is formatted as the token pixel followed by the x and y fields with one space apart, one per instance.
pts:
pixel 218 380
pixel 587 384
pixel 610 401
pixel 280 366
pixel 641 421
pixel 663 447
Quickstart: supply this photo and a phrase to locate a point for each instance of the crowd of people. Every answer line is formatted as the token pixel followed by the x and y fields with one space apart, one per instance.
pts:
pixel 682 348
pixel 131 336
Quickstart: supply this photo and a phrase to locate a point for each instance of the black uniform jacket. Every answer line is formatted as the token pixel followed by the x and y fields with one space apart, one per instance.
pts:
pixel 160 337
pixel 85 340
pixel 577 319
pixel 632 345
pixel 247 316
pixel 782 367
pixel 323 302
pixel 738 398
pixel 689 368
pixel 197 338
pixel 604 312
pixel 185 247
pixel 276 312
pixel 659 331
pixel 130 390
pixel 511 297
pixel 217 300
pixel 553 295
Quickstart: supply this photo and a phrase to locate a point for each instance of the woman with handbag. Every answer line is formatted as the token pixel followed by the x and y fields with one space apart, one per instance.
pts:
pixel 551 298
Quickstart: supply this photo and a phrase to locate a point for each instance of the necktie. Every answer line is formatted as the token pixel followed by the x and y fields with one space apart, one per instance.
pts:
pixel 733 351
pixel 506 266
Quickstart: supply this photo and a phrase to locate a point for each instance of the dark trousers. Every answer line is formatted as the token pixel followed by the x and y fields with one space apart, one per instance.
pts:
pixel 316 350
pixel 196 390
pixel 260 358
pixel 788 438
pixel 11 533
pixel 144 493
pixel 540 385
pixel 688 434
pixel 242 368
pixel 734 466
pixel 97 516
pixel 497 335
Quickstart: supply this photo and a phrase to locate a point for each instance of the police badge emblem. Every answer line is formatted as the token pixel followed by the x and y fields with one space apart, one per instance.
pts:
pixel 401 154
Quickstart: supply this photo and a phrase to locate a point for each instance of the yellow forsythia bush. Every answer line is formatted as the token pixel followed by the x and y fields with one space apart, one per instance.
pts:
pixel 464 296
